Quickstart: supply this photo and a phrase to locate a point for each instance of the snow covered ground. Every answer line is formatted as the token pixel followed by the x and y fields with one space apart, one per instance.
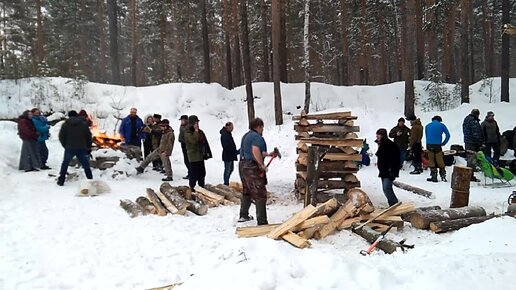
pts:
pixel 52 239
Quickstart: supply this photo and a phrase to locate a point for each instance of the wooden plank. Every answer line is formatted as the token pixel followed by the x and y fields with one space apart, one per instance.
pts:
pixel 323 116
pixel 337 184
pixel 402 209
pixel 333 142
pixel 298 218
pixel 346 211
pixel 416 190
pixel 296 240
pixel 383 212
pixel 210 195
pixel 312 222
pixel 334 157
pixel 326 128
pixel 255 231
pixel 332 166
pixel 160 208
pixel 346 224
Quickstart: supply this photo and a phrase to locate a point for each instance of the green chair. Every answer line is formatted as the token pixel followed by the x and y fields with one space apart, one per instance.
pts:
pixel 492 171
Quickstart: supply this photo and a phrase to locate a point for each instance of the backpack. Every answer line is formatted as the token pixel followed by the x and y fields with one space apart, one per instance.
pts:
pixel 449 160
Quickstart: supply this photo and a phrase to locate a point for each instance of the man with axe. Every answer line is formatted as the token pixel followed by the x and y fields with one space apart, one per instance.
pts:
pixel 252 169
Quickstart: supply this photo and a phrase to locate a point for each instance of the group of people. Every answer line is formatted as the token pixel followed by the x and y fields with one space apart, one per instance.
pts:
pixel 391 155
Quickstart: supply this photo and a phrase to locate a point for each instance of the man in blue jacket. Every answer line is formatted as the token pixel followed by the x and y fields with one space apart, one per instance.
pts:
pixel 434 133
pixel 131 129
pixel 42 126
pixel 473 138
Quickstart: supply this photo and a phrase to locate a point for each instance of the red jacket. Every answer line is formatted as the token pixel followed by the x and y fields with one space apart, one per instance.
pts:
pixel 26 129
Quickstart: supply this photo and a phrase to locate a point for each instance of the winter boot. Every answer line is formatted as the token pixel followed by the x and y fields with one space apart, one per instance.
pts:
pixel 186 177
pixel 245 204
pixel 168 178
pixel 139 170
pixel 243 219
pixel 417 170
pixel 433 175
pixel 60 180
pixel 261 212
pixel 442 173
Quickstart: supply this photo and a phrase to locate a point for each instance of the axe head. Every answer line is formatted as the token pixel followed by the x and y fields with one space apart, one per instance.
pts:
pixel 277 152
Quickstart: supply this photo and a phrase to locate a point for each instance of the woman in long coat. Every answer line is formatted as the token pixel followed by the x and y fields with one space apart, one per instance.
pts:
pixel 30 159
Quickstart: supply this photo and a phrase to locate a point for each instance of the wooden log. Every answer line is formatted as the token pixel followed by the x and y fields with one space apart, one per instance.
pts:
pixel 302 147
pixel 197 208
pixel 460 181
pixel 333 142
pixel 401 209
pixel 312 175
pixel 185 192
pixel 303 122
pixel 416 190
pixel 406 216
pixel 332 166
pixel 301 135
pixel 303 157
pixel 386 245
pixel 160 208
pixel 326 116
pixel 217 199
pixel 298 218
pixel 301 171
pixel 169 205
pixel 453 225
pixel 383 212
pixel 381 227
pixel 262 230
pixel 422 220
pixel 237 186
pixel 327 208
pixel 346 224
pixel 201 199
pixel 326 128
pixel 346 122
pixel 296 240
pixel 349 135
pixel 171 195
pixel 309 233
pixel 131 208
pixel 312 222
pixel 145 203
pixel 228 195
pixel 234 192
pixel 347 149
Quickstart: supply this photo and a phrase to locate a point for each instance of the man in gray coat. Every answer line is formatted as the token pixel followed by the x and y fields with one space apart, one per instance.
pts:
pixel 491 137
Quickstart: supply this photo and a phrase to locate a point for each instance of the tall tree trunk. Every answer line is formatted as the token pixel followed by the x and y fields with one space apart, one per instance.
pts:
pixel 113 41
pixel 306 61
pixel 449 35
pixel 102 70
pixel 505 64
pixel 205 43
pixel 363 73
pixel 135 45
pixel 283 43
pixel 238 56
pixel 247 59
pixel 39 33
pixel 383 53
pixel 162 41
pixel 420 40
pixel 397 44
pixel 276 70
pixel 471 59
pixel 409 33
pixel 431 35
pixel 226 26
pixel 265 42
pixel 177 46
pixel 84 52
pixel 486 27
pixel 465 78
pixel 345 41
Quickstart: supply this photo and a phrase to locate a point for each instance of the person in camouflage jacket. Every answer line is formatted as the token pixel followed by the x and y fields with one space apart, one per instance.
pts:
pixel 473 138
pixel 163 152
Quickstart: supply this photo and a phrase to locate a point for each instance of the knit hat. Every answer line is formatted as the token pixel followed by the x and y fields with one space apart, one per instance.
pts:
pixel 401 120
pixel 490 114
pixel 72 113
pixel 382 132
pixel 475 112
pixel 184 117
pixel 156 116
pixel 437 118
pixel 164 122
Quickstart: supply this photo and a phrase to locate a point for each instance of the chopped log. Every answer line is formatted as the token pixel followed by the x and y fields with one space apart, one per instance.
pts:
pixel 332 166
pixel 333 142
pixel 337 172
pixel 337 184
pixel 460 181
pixel 422 220
pixel 226 194
pixel 360 199
pixel 386 245
pixel 255 231
pixel 416 190
pixel 160 208
pixel 401 209
pixel 131 208
pixel 197 208
pixel 303 122
pixel 147 206
pixel 349 135
pixel 326 128
pixel 298 218
pixel 302 135
pixel 303 157
pixel 381 227
pixel 302 147
pixel 312 175
pixel 327 116
pixel 383 212
pixel 174 197
pixel 168 204
pixel 237 186
pixel 309 233
pixel 296 240
pixel 185 192
pixel 345 122
pixel 213 197
pixel 347 150
pixel 324 196
pixel 327 208
pixel 312 222
pixel 346 224
pixel 453 225
pixel 351 178
pixel 406 216
pixel 234 192
pixel 206 201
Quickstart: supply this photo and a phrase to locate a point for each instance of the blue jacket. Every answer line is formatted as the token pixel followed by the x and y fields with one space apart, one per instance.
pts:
pixel 125 129
pixel 434 133
pixel 42 126
pixel 472 130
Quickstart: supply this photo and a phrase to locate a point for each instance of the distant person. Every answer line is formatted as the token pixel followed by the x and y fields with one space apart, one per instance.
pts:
pixel 416 135
pixel 163 151
pixel 182 128
pixel 491 134
pixel 388 164
pixel 400 133
pixel 198 150
pixel 84 114
pixel 434 143
pixel 131 129
pixel 147 142
pixel 43 128
pixel 75 136
pixel 30 158
pixel 229 150
pixel 156 133
pixel 473 138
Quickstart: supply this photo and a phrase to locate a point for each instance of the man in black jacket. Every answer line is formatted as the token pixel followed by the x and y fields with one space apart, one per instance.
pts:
pixel 229 151
pixel 388 164
pixel 75 136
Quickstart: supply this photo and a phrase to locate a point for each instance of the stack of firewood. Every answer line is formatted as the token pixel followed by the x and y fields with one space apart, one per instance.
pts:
pixel 318 222
pixel 180 199
pixel 331 163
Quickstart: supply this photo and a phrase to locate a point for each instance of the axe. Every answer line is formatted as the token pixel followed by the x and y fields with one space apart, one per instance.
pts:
pixel 275 153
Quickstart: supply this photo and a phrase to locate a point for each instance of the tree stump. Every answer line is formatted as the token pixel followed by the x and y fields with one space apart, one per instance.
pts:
pixel 460 186
pixel 422 220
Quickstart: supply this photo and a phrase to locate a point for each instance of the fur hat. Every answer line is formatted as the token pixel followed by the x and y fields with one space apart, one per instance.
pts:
pixel 475 112
pixel 437 118
pixel 382 132
pixel 401 120
pixel 164 122
pixel 72 113
pixel 183 117
pixel 193 119
pixel 156 116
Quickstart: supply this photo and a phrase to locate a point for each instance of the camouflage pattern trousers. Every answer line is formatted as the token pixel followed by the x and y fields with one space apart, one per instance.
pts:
pixel 253 180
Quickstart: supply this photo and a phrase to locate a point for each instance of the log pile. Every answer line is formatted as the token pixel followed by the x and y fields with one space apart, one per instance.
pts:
pixel 331 163
pixel 318 222
pixel 444 220
pixel 179 200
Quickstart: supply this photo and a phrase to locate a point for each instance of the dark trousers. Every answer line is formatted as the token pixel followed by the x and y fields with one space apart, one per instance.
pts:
pixel 496 150
pixel 43 151
pixel 388 191
pixel 471 157
pixel 403 157
pixel 147 147
pixel 417 161
pixel 196 174
pixel 82 156
pixel 229 166
pixel 185 157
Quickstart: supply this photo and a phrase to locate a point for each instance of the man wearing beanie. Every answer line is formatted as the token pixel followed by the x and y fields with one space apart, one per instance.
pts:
pixel 473 138
pixel 491 137
pixel 400 134
pixel 388 155
pixel 198 150
pixel 434 144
